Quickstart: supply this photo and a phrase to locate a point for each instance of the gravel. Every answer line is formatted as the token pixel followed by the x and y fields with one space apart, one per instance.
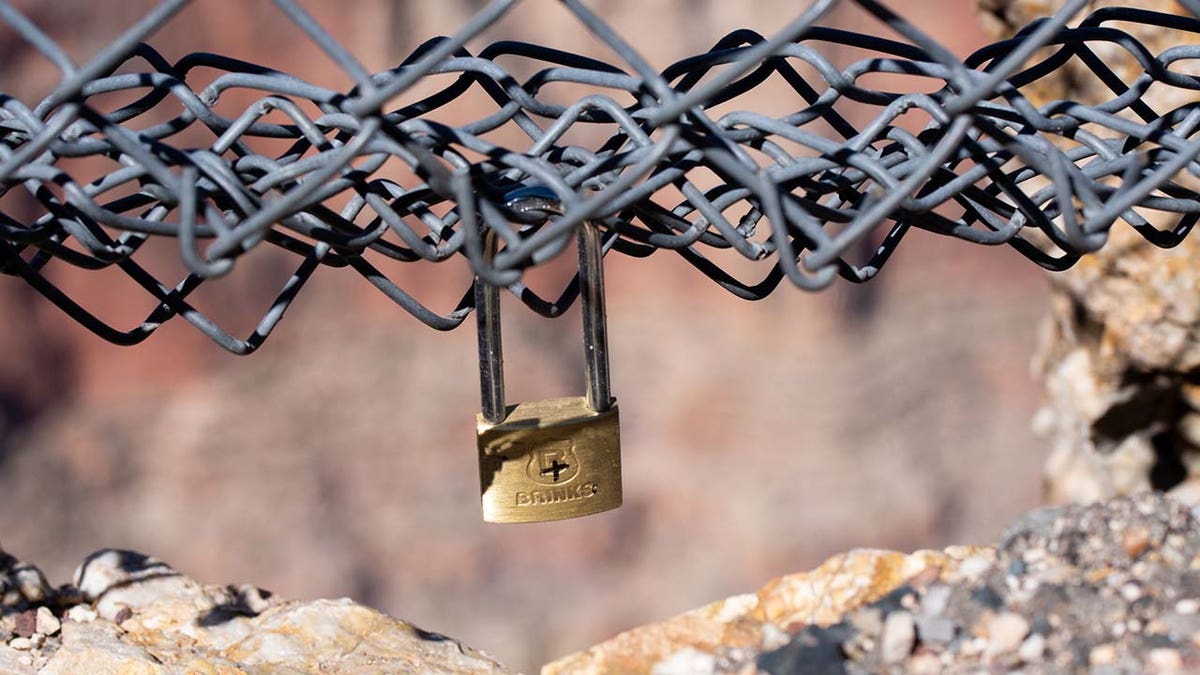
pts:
pixel 1104 588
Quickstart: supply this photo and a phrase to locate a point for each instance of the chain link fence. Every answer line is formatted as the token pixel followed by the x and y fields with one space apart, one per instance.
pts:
pixel 375 175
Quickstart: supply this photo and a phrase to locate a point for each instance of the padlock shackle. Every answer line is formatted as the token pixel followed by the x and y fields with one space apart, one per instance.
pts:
pixel 529 202
pixel 491 351
pixel 595 319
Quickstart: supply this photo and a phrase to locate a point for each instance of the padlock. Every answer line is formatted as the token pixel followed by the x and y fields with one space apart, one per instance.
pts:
pixel 557 458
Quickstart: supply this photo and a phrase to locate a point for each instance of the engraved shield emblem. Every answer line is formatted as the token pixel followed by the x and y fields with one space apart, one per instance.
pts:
pixel 553 463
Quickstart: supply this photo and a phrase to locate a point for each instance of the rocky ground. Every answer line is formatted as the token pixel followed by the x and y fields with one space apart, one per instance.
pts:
pixel 1104 589
pixel 130 613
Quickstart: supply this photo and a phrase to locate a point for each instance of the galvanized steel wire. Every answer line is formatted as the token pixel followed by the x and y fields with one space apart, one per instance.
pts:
pixel 991 167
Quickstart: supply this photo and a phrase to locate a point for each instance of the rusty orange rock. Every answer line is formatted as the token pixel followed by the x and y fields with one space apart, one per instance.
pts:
pixel 757 621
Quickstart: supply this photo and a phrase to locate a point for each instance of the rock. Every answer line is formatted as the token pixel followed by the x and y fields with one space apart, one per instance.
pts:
pixel 22 644
pixel 1123 335
pixel 939 630
pixel 147 618
pixel 925 664
pixel 847 581
pixel 13 662
pixel 868 621
pixel 899 635
pixel 686 661
pixel 1056 595
pixel 819 651
pixel 818 598
pixel 1102 655
pixel 47 623
pixel 112 580
pixel 1164 661
pixel 1032 648
pixel 254 599
pixel 21 584
pixel 81 613
pixel 936 599
pixel 728 624
pixel 1006 632
pixel 99 647
pixel 307 636
pixel 25 623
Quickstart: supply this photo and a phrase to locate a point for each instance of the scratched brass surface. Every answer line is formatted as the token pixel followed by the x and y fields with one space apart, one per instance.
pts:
pixel 550 460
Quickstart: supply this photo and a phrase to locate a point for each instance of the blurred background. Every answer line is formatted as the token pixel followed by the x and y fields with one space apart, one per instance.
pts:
pixel 339 460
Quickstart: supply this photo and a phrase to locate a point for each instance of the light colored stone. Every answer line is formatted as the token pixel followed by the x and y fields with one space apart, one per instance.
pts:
pixel 21 644
pixel 97 647
pixel 726 623
pixel 1188 492
pixel 935 629
pixel 868 621
pixel 773 637
pixel 1032 648
pixel 13 662
pixel 924 664
pixel 81 613
pixel 253 598
pixel 47 623
pixel 1164 660
pixel 899 636
pixel 686 661
pixel 1006 631
pixel 114 580
pixel 1102 655
pixel 21 583
pixel 325 635
pixel 973 646
pixel 170 623
pixel 1189 428
pixel 936 599
pixel 973 567
pixel 341 633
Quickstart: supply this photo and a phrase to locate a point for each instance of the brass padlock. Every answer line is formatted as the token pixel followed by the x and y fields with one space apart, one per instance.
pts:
pixel 558 458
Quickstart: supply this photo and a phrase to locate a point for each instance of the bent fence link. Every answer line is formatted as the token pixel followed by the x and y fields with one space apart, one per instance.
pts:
pixel 991 166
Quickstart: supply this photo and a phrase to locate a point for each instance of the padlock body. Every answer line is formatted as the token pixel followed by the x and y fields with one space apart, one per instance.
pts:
pixel 550 460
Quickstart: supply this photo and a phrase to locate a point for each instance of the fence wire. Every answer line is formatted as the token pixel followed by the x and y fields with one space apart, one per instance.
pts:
pixel 669 172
